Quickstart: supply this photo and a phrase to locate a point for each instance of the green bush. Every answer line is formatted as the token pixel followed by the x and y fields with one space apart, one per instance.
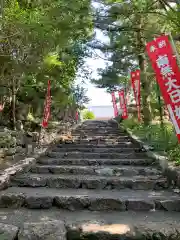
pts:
pixel 30 117
pixel 160 138
pixel 88 115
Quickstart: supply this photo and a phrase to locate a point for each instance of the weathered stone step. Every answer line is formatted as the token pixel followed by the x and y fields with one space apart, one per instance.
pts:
pixel 96 128
pixel 96 132
pixel 102 135
pixel 83 224
pixel 97 150
pixel 96 170
pixel 89 182
pixel 101 200
pixel 95 162
pixel 95 155
pixel 101 128
pixel 96 143
pixel 93 140
pixel 105 134
pixel 90 134
pixel 88 145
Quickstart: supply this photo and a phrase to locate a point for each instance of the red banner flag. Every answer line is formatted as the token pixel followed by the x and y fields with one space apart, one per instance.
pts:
pixel 77 116
pixel 135 80
pixel 1 107
pixel 122 102
pixel 47 106
pixel 168 76
pixel 114 104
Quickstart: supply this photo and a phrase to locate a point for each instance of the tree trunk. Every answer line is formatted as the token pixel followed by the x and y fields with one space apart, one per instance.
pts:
pixel 13 105
pixel 147 116
pixel 145 86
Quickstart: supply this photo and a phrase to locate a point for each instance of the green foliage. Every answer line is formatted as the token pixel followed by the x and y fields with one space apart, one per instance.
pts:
pixel 161 139
pixel 88 115
pixel 79 96
pixel 37 44
pixel 174 155
pixel 122 23
pixel 30 117
pixel 51 60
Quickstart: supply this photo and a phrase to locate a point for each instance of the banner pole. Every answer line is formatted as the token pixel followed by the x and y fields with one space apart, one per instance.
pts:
pixel 39 138
pixel 174 48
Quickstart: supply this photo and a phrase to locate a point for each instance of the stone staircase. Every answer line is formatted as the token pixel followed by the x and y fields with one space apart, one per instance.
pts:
pixel 100 187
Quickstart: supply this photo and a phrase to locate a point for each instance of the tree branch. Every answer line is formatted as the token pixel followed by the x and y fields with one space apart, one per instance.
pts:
pixel 15 34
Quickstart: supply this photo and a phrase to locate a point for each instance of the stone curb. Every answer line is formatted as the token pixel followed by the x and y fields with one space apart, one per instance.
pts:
pixel 169 169
pixel 22 165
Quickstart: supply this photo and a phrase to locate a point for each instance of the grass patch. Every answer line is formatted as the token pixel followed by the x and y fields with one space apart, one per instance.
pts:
pixel 162 139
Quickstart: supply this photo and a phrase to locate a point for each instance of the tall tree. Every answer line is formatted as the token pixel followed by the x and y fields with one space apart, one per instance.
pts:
pixel 129 25
pixel 38 43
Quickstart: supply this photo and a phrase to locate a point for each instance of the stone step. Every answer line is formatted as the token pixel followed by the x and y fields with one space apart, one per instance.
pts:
pixel 114 135
pixel 102 195
pixel 80 199
pixel 109 170
pixel 96 162
pixel 111 129
pixel 103 135
pixel 50 224
pixel 144 227
pixel 93 140
pixel 97 150
pixel 109 143
pixel 88 145
pixel 89 182
pixel 96 132
pixel 95 155
pixel 100 129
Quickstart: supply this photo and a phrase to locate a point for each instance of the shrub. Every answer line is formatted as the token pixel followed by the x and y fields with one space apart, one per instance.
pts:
pixel 30 117
pixel 88 115
pixel 161 139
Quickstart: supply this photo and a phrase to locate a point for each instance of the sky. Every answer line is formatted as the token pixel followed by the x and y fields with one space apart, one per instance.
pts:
pixel 98 97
